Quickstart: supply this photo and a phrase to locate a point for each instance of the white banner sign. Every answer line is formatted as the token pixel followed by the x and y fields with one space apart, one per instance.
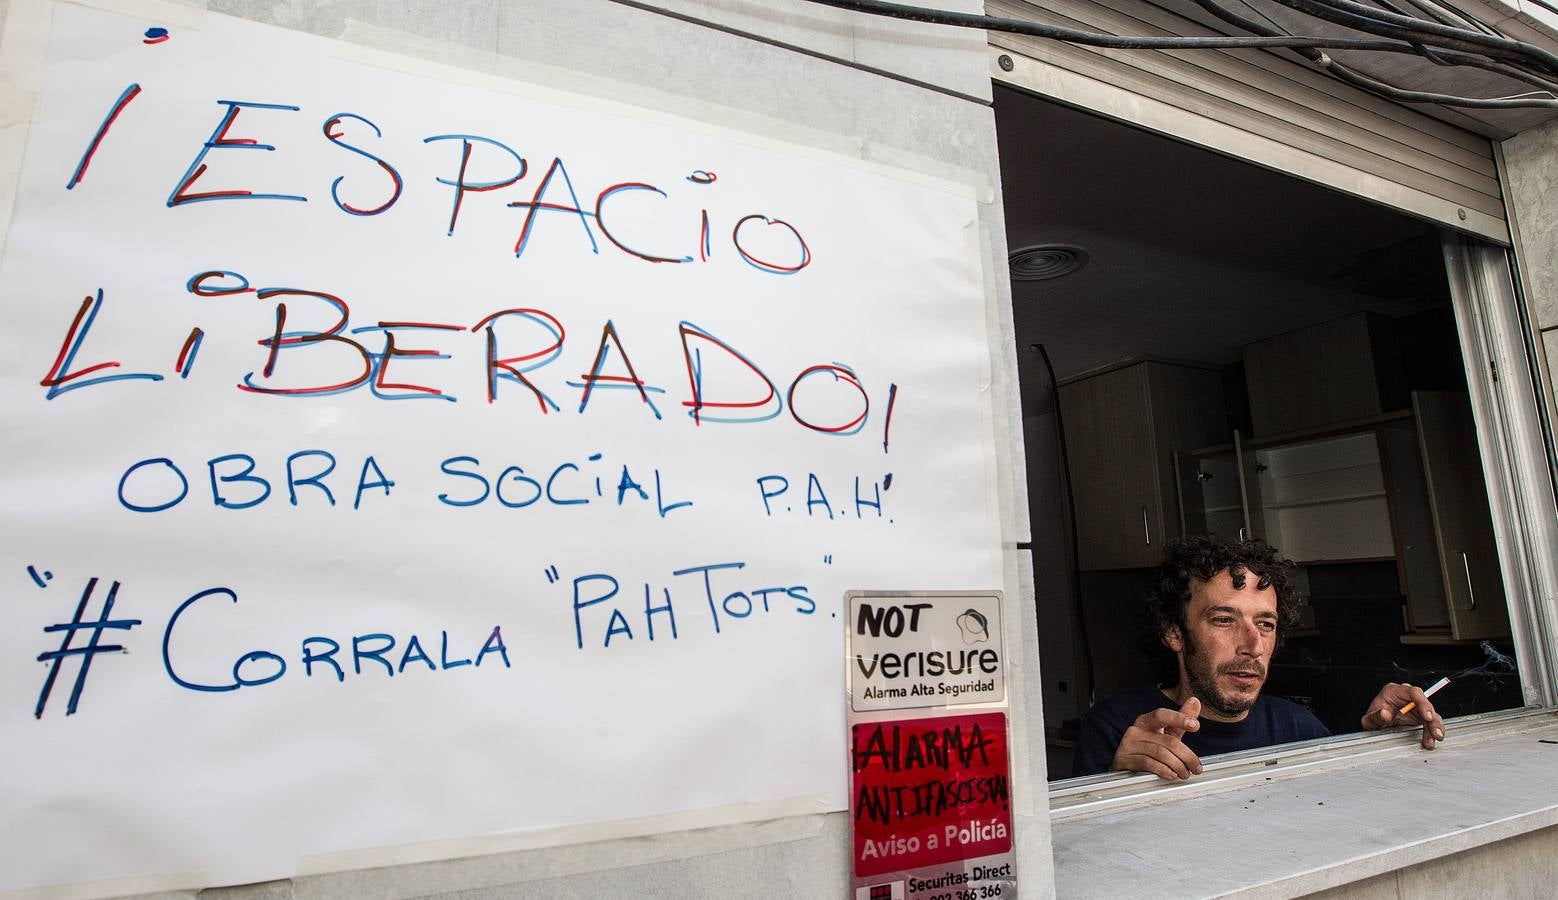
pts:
pixel 395 456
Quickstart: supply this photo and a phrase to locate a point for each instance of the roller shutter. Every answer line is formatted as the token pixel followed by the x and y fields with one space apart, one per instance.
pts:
pixel 1259 107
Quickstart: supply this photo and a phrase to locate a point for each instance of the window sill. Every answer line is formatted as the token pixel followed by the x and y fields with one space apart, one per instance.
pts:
pixel 1307 817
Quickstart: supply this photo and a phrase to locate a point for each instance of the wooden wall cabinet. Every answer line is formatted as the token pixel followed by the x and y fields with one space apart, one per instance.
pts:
pixel 1403 486
pixel 1462 523
pixel 1337 371
pixel 1325 500
pixel 1122 429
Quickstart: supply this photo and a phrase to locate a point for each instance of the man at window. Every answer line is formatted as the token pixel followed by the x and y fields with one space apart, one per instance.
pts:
pixel 1218 610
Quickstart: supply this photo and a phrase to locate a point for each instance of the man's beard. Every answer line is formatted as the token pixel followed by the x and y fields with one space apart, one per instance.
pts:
pixel 1202 681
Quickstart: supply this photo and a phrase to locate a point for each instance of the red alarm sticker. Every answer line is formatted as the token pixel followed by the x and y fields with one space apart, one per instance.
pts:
pixel 929 792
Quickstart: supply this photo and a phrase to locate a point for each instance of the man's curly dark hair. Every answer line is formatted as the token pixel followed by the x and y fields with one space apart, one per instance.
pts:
pixel 1201 557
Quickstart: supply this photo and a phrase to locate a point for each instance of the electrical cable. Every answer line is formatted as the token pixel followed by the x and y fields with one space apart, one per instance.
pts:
pixel 1438 57
pixel 1096 39
pixel 1450 15
pixel 1251 7
pixel 1359 17
pixel 1071 518
pixel 1354 77
pixel 1484 49
pixel 1358 79
pixel 1439 16
pixel 1391 7
pixel 1446 30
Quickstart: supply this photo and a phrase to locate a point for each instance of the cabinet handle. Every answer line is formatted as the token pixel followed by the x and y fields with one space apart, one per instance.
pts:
pixel 1471 592
pixel 1146 533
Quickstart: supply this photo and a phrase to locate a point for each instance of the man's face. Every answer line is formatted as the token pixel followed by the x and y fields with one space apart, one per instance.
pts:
pixel 1227 645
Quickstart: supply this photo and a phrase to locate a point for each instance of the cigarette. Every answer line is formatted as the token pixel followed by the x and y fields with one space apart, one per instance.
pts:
pixel 1426 694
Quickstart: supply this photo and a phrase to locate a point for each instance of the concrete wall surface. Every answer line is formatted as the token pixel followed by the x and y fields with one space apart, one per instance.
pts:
pixel 1531 184
pixel 1524 866
pixel 1380 816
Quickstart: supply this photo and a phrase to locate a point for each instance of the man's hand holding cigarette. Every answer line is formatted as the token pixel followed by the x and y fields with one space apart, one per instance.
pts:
pixel 1405 704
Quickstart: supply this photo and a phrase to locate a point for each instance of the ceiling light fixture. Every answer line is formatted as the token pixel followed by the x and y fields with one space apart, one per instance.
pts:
pixel 1042 262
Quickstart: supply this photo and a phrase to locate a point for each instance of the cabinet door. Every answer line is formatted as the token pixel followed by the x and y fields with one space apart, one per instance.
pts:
pixel 1463 527
pixel 1187 410
pixel 1252 521
pixel 1214 503
pixel 1421 572
pixel 1109 445
pixel 1315 376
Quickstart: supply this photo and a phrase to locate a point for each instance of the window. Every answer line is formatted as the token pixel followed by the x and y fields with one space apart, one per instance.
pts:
pixel 1231 350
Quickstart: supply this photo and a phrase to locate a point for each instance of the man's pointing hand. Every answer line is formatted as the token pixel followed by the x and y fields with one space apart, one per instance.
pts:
pixel 1153 743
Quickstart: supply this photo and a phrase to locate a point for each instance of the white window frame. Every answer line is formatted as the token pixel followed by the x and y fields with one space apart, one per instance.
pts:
pixel 1493 327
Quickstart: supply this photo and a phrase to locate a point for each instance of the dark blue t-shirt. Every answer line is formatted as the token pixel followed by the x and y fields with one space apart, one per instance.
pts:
pixel 1272 720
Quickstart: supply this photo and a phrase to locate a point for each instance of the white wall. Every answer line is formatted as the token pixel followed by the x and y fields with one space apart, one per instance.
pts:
pixel 1525 866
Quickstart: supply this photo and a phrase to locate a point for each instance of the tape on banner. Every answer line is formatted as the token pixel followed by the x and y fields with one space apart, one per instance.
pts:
pixel 173 14
pixel 23 50
pixel 673 836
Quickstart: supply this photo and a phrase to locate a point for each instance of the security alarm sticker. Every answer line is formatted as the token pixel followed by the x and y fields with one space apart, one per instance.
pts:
pixel 931 803
pixel 919 651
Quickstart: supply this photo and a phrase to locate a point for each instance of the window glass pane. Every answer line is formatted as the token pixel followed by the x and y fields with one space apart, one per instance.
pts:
pixel 1210 348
